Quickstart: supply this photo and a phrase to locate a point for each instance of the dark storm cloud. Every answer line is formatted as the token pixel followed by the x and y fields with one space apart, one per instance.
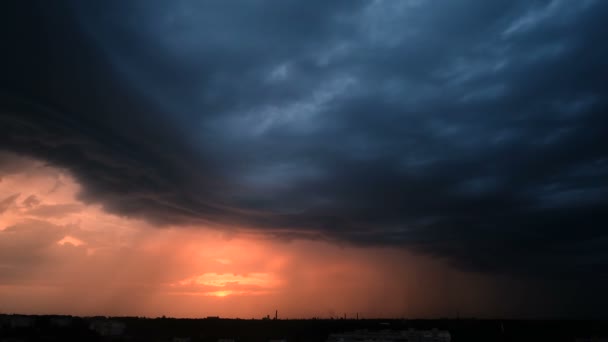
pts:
pixel 474 131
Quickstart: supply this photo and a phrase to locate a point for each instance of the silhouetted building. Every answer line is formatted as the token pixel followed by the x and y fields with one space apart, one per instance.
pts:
pixel 18 321
pixel 182 339
pixel 61 321
pixel 392 336
pixel 278 340
pixel 225 340
pixel 108 327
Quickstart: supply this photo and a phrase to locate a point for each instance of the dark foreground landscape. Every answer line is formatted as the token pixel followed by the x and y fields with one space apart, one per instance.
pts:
pixel 68 328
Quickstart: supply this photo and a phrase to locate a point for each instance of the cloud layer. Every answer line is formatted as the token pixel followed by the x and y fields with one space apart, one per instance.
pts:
pixel 88 262
pixel 470 131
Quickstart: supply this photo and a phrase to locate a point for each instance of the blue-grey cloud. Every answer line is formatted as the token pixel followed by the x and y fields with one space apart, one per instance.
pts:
pixel 474 131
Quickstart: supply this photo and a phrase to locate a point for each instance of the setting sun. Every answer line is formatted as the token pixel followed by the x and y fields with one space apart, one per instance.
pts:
pixel 219 293
pixel 375 158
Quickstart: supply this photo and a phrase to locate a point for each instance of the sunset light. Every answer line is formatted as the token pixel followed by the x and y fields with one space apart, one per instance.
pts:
pixel 303 170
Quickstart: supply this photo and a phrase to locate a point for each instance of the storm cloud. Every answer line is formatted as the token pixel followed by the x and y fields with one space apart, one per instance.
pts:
pixel 474 131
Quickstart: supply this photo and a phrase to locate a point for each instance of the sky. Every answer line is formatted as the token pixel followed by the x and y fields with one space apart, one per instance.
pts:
pixel 389 158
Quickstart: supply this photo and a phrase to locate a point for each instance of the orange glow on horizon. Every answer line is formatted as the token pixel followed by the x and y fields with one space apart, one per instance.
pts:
pixel 225 284
pixel 70 240
pixel 54 248
pixel 221 280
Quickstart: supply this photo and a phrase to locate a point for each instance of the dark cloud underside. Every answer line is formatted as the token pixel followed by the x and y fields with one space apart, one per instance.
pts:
pixel 474 131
